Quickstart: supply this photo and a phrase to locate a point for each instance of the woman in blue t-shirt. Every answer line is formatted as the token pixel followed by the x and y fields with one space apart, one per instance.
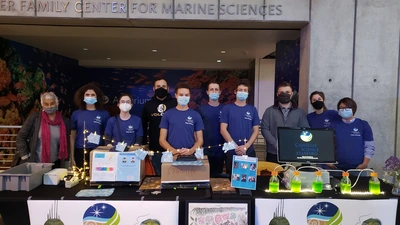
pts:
pixel 125 129
pixel 90 117
pixel 321 117
pixel 354 139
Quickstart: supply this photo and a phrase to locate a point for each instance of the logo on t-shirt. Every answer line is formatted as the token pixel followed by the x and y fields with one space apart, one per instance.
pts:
pixel 355 132
pixel 219 114
pixel 97 120
pixel 248 116
pixel 327 122
pixel 189 120
pixel 161 109
pixel 130 130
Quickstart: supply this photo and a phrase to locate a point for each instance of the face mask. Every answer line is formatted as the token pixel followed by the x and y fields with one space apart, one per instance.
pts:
pixel 284 98
pixel 125 107
pixel 161 93
pixel 183 100
pixel 213 96
pixel 318 105
pixel 90 100
pixel 345 113
pixel 50 110
pixel 241 95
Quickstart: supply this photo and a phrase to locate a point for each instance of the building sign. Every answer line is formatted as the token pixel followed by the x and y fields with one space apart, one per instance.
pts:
pixel 258 10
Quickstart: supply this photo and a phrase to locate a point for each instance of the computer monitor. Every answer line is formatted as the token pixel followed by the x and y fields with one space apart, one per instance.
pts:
pixel 306 145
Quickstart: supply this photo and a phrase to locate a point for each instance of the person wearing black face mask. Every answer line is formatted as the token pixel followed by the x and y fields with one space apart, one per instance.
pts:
pixel 44 137
pixel 321 117
pixel 152 113
pixel 284 113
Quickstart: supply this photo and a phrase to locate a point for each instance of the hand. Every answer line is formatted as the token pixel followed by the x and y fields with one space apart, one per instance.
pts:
pixel 331 166
pixel 72 162
pixel 176 152
pixel 362 166
pixel 241 150
pixel 186 151
pixel 109 145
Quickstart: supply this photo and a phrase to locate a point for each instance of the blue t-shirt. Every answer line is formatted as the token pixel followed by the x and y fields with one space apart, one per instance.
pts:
pixel 240 120
pixel 181 126
pixel 350 142
pixel 130 129
pixel 324 119
pixel 95 121
pixel 211 134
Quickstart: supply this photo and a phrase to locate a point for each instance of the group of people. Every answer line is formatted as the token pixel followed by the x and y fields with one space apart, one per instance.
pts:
pixel 168 124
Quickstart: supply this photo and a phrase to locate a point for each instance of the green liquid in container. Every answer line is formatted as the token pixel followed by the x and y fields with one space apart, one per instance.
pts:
pixel 345 188
pixel 295 186
pixel 374 188
pixel 317 187
pixel 273 187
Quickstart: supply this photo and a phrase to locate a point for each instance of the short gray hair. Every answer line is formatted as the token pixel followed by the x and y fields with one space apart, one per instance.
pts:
pixel 48 95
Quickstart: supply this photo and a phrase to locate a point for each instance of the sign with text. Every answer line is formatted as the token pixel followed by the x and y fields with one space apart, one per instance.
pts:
pixel 103 212
pixel 258 10
pixel 244 172
pixel 325 211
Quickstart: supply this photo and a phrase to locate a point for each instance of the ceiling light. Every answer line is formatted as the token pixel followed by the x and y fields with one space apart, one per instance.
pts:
pixel 223 52
pixel 218 61
pixel 108 58
pixel 163 60
pixel 85 49
pixel 154 50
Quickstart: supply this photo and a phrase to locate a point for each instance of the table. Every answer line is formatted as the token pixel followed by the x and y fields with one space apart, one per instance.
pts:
pixel 14 209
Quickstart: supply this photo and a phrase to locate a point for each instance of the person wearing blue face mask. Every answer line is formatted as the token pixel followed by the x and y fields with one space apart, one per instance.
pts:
pixel 240 124
pixel 89 116
pixel 181 128
pixel 211 113
pixel 354 138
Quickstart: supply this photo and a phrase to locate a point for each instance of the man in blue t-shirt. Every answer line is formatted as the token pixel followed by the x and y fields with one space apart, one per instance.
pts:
pixel 240 124
pixel 213 140
pixel 181 127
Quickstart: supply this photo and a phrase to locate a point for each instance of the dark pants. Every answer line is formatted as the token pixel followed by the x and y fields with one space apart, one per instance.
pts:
pixel 156 162
pixel 229 159
pixel 216 164
pixel 78 156
pixel 272 158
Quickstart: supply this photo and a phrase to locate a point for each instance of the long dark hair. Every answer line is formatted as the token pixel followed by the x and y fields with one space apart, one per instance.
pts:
pixel 80 95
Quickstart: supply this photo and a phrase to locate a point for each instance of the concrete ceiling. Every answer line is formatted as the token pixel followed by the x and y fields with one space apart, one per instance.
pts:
pixel 129 47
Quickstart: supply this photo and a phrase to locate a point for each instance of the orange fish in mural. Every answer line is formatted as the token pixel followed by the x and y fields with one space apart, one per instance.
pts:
pixel 12 97
pixel 19 85
pixel 4 101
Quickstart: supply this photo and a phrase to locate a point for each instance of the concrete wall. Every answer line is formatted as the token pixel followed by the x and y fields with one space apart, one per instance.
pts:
pixel 354 52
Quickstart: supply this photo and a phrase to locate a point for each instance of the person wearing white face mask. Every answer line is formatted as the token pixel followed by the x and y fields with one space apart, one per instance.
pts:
pixel 89 116
pixel 211 114
pixel 44 135
pixel 125 129
pixel 240 122
pixel 181 128
pixel 354 138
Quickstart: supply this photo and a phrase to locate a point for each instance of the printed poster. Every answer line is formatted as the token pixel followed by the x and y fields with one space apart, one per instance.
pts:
pixel 218 213
pixel 244 172
pixel 325 211
pixel 103 212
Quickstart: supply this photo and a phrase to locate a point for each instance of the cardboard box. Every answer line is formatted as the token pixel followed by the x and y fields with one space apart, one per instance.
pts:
pixel 185 174
pixel 138 175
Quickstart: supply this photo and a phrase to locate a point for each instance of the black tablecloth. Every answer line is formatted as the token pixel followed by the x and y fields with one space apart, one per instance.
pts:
pixel 14 208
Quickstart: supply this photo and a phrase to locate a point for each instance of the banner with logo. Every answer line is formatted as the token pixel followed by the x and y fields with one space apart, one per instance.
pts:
pixel 103 212
pixel 325 211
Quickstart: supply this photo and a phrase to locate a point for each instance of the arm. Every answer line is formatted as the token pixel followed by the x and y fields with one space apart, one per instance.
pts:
pixel 22 144
pixel 139 134
pixel 369 146
pixel 224 132
pixel 164 143
pixel 266 130
pixel 253 137
pixel 108 132
pixel 199 142
pixel 303 119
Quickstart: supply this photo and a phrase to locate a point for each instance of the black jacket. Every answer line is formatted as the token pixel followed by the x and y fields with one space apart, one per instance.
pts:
pixel 28 136
pixel 153 111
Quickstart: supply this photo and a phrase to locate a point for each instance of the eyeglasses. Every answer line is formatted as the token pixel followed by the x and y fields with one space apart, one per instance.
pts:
pixel 345 109
pixel 128 102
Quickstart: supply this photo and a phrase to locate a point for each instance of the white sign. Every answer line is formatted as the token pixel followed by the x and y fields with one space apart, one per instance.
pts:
pixel 325 211
pixel 244 10
pixel 103 212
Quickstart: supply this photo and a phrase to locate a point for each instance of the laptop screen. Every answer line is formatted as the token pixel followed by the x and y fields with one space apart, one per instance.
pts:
pixel 306 145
